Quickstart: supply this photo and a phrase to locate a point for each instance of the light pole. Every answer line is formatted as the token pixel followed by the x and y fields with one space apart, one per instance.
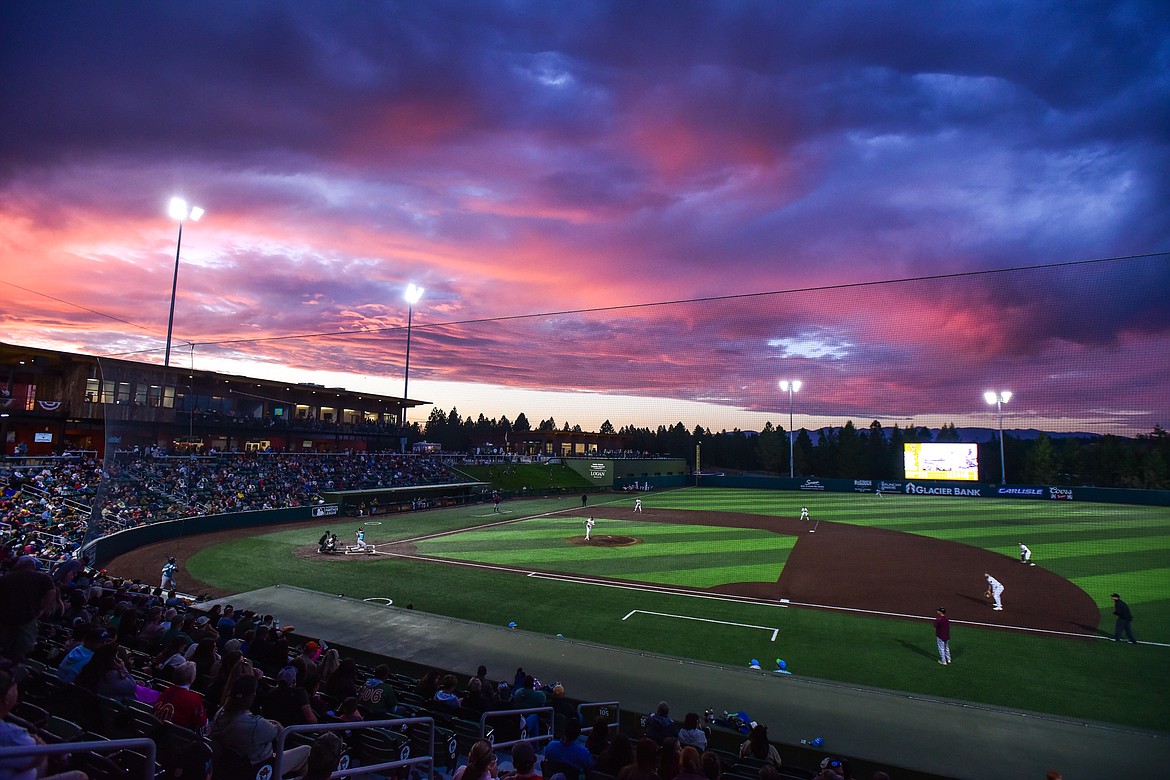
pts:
pixel 790 388
pixel 412 295
pixel 998 400
pixel 180 211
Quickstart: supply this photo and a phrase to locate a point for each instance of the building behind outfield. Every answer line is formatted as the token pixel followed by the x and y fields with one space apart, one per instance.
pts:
pixel 53 402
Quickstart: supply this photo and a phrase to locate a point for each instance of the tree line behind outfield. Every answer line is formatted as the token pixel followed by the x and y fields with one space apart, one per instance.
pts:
pixel 849 452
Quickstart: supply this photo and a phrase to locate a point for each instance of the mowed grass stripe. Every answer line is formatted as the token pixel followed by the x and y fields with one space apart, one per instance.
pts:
pixel 1136 587
pixel 695 556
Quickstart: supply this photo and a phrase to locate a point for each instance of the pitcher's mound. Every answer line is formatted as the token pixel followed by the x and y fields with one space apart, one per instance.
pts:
pixel 605 540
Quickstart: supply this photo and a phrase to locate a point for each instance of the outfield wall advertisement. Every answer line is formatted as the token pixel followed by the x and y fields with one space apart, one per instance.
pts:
pixel 952 489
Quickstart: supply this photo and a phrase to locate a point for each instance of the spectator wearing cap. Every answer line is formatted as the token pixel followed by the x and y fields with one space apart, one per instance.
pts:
pixel 288 703
pixel 26 595
pixel 226 625
pixel 832 768
pixel 76 659
pixel 524 762
pixel 12 735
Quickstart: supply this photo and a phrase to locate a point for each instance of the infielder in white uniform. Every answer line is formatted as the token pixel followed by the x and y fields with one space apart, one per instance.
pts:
pixel 1025 554
pixel 588 527
pixel 804 513
pixel 637 505
pixel 995 588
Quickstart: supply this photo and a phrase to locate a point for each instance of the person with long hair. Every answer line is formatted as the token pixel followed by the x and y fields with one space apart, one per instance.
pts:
pixel 203 654
pixel 343 683
pixel 758 746
pixel 481 763
pixel 213 693
pixel 669 759
pixel 173 654
pixel 106 674
pixel 243 668
pixel 328 664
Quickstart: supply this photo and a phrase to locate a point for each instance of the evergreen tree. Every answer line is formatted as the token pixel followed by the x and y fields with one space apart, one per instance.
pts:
pixel 771 450
pixel 521 425
pixel 606 427
pixel 1041 464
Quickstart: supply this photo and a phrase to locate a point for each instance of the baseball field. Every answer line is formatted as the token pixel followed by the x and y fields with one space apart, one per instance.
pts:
pixel 729 576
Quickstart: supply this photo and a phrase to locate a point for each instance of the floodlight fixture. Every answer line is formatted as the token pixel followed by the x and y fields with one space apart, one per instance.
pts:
pixel 790 387
pixel 998 399
pixel 178 209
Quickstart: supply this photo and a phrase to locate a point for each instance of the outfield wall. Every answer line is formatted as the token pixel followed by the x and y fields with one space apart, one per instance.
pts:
pixel 617 473
pixel 924 487
pixel 101 551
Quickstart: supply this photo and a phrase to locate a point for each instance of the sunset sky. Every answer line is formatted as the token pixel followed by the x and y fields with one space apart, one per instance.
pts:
pixel 642 212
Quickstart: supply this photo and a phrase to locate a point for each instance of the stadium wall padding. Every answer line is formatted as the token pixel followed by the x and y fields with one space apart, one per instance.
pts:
pixel 943 488
pixel 101 551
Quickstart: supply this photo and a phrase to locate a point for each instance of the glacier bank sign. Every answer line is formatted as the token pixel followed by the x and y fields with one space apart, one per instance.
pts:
pixel 940 490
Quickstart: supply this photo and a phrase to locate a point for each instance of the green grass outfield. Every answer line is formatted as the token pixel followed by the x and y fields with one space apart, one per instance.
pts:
pixel 1100 547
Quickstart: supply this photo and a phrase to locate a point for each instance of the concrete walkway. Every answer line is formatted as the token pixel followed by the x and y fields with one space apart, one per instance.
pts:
pixel 942 737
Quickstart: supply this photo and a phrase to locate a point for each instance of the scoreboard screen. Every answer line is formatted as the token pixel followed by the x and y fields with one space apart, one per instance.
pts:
pixel 934 460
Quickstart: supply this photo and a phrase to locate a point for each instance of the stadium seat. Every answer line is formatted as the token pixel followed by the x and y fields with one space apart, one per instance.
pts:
pixel 378 746
pixel 549 767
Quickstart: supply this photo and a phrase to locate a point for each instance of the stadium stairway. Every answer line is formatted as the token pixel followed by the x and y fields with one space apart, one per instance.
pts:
pixel 936 736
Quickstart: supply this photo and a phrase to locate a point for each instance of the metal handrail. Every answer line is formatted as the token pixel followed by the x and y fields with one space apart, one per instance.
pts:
pixel 363 725
pixel 138 744
pixel 483 728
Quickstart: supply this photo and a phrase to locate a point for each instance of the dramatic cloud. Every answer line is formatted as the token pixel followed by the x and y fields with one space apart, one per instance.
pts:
pixel 527 158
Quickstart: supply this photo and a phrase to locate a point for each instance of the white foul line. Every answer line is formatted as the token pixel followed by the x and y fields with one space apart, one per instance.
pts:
pixel 633 612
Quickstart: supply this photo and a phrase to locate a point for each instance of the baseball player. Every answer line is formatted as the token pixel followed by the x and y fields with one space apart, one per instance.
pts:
pixel 804 513
pixel 361 538
pixel 1025 555
pixel 637 505
pixel 994 591
pixel 168 574
pixel 589 528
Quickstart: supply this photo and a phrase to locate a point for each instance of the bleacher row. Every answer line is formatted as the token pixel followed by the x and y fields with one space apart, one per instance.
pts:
pixel 416 731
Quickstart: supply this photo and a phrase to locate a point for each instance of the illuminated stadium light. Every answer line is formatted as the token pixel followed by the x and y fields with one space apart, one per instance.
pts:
pixel 412 295
pixel 998 400
pixel 179 210
pixel 790 388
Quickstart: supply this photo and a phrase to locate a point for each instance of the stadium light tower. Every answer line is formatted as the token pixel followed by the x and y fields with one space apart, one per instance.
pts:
pixel 998 400
pixel 790 388
pixel 180 211
pixel 412 295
